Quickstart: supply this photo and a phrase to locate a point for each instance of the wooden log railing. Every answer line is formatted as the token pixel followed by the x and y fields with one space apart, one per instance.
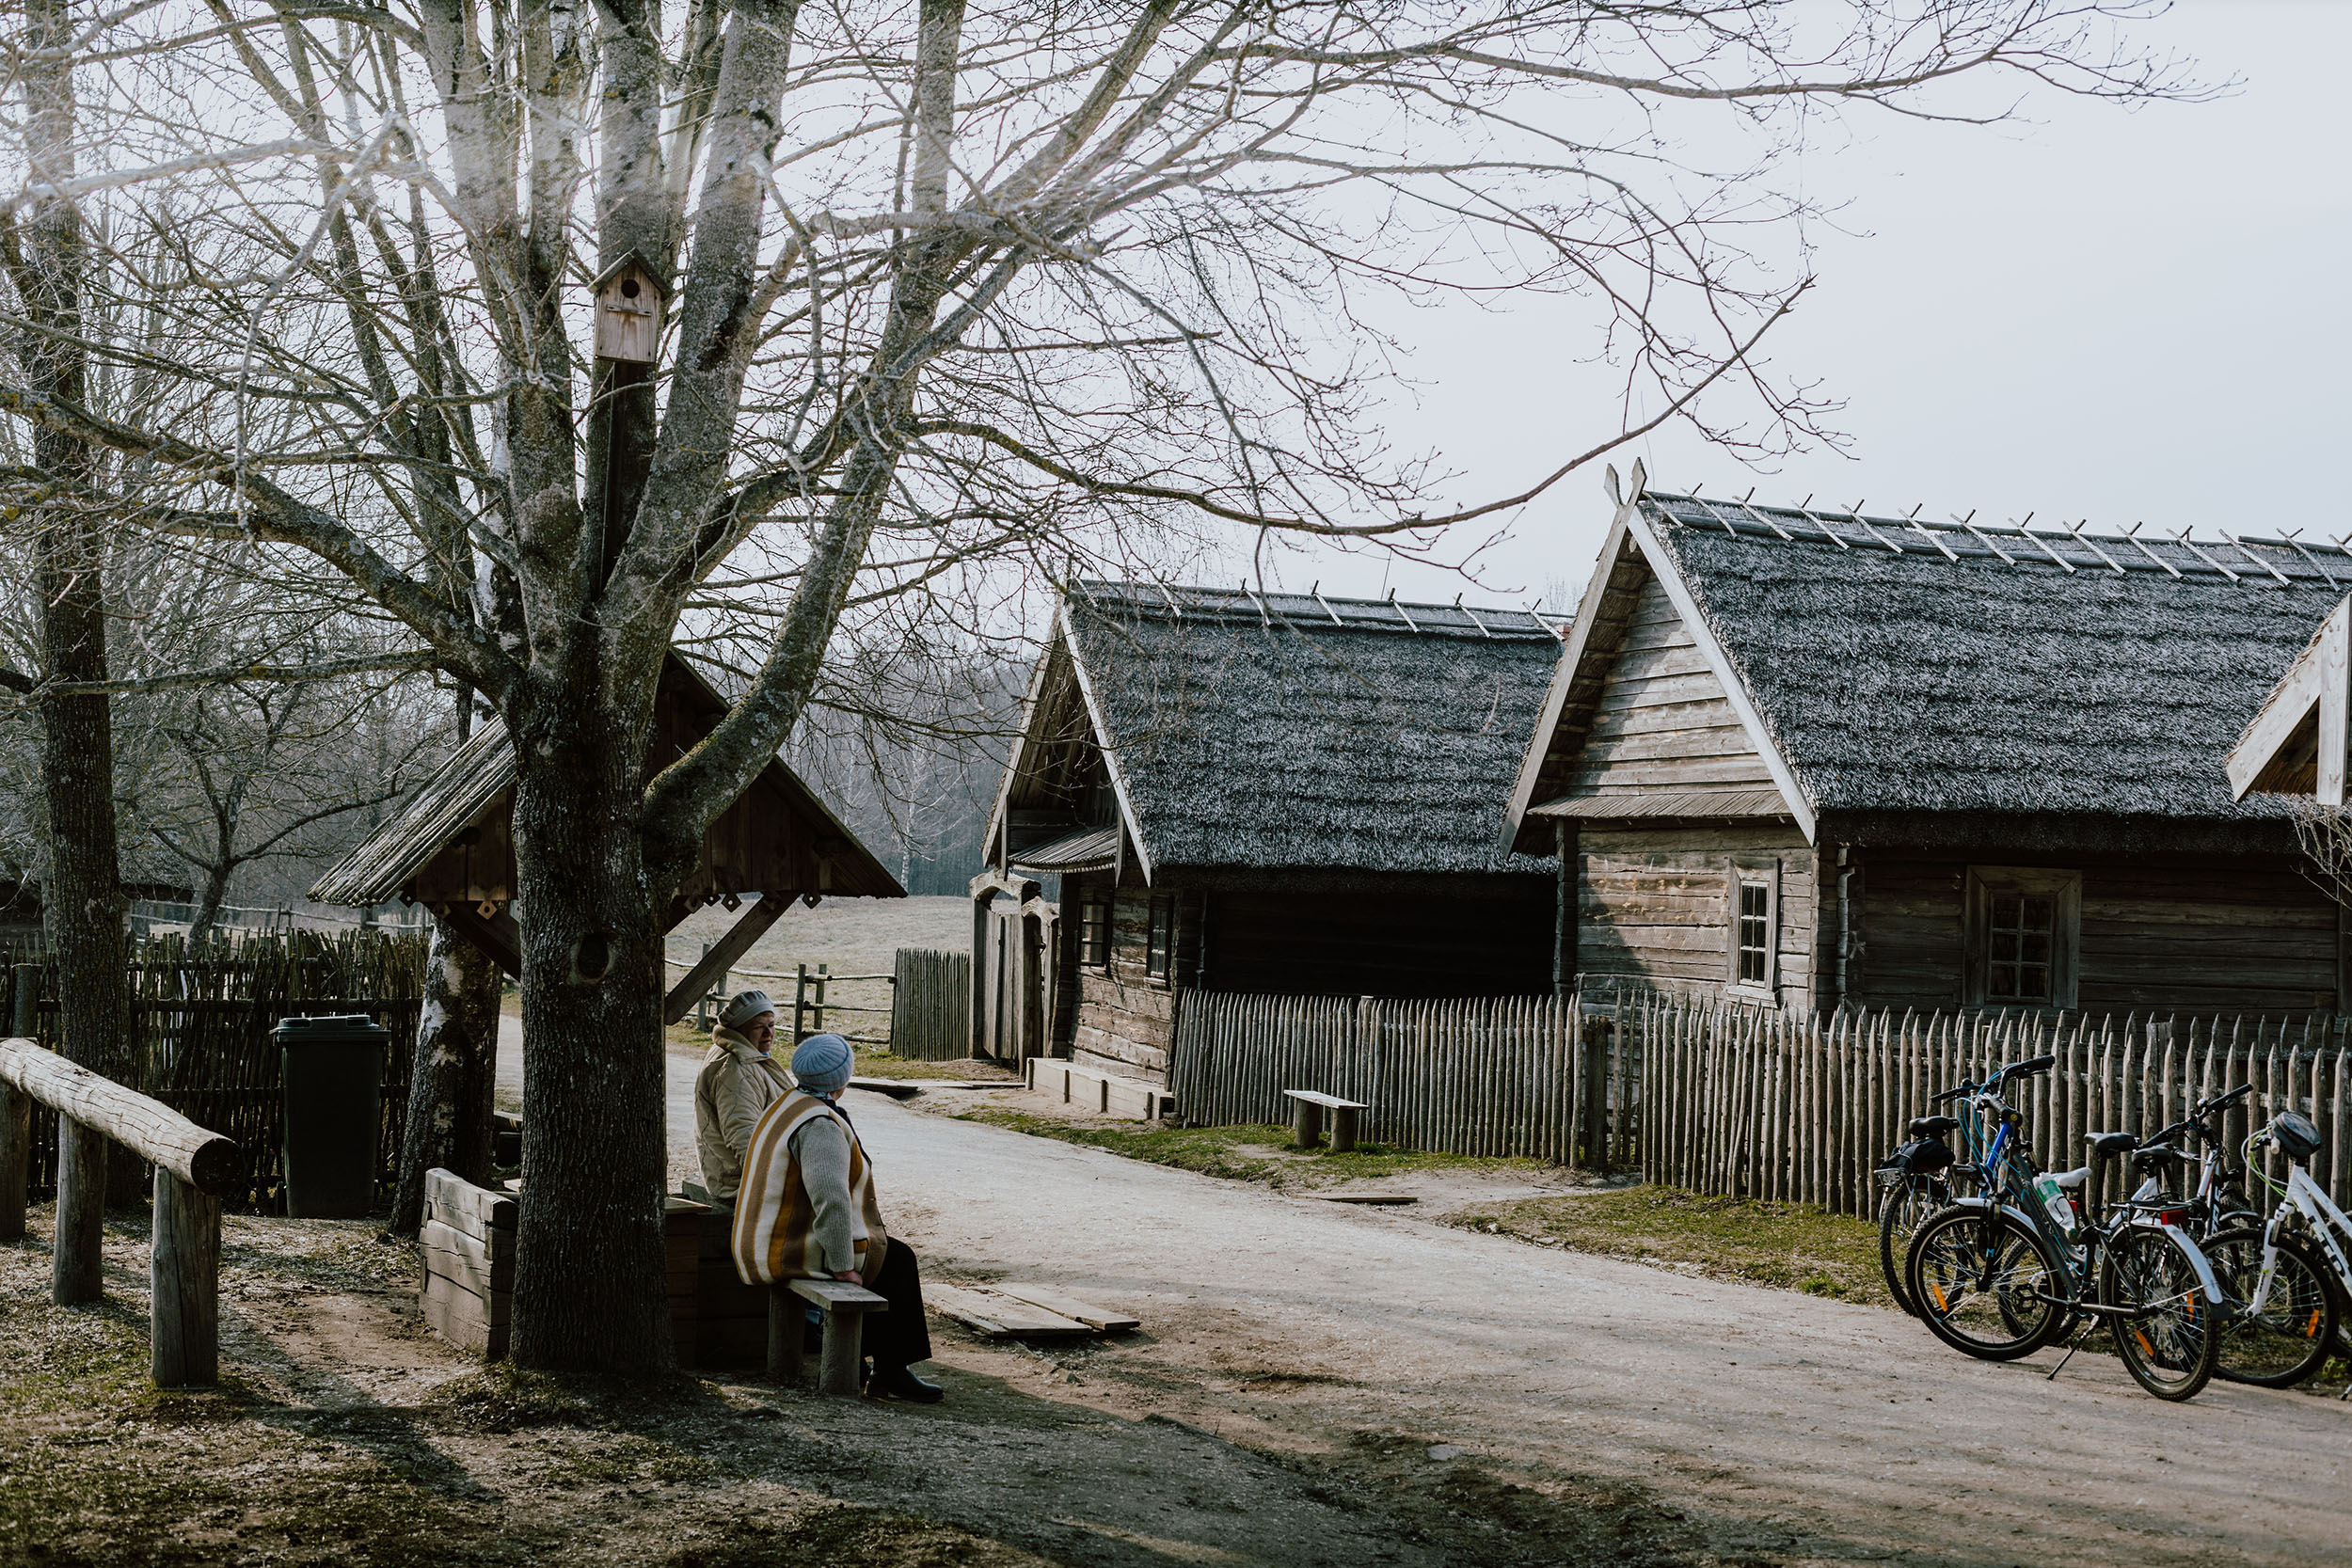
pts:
pixel 193 1167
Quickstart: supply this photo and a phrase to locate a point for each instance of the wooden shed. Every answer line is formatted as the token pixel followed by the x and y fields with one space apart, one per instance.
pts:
pixel 452 847
pixel 1807 757
pixel 1256 792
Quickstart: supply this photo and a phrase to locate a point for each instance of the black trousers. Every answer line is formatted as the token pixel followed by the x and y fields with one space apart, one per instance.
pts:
pixel 900 1336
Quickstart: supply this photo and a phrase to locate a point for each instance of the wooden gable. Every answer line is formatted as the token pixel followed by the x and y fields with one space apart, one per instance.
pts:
pixel 2296 743
pixel 1660 719
pixel 1640 722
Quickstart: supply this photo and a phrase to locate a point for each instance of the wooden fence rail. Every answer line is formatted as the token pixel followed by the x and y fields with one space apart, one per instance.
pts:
pixel 193 1167
pixel 930 1005
pixel 1729 1100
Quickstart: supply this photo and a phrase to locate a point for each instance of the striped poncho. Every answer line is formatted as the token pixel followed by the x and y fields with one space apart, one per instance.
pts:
pixel 778 1212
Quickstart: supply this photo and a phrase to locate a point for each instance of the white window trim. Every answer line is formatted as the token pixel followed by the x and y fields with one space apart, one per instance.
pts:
pixel 1766 872
pixel 2066 889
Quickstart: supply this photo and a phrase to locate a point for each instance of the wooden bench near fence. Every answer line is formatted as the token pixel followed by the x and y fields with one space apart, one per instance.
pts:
pixel 193 1168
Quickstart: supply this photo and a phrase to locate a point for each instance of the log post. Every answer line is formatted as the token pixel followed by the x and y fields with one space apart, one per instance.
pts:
pixel 787 1316
pixel 845 1333
pixel 77 1258
pixel 16 1112
pixel 184 1276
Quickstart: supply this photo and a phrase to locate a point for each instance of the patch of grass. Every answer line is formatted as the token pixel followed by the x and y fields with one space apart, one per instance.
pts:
pixel 881 1064
pixel 1244 1153
pixel 501 1398
pixel 1784 1246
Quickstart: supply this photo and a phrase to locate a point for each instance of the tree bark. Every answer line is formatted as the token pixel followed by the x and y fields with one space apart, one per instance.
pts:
pixel 588 1280
pixel 83 905
pixel 456 1076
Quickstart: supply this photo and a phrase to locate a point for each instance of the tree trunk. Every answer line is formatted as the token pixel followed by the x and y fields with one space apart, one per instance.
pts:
pixel 588 1281
pixel 208 905
pixel 451 1089
pixel 83 898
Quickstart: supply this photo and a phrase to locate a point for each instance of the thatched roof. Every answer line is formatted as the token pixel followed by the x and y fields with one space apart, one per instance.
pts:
pixel 1895 670
pixel 1274 732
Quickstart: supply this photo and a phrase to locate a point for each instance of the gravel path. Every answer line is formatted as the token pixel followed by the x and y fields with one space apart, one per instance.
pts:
pixel 1802 1429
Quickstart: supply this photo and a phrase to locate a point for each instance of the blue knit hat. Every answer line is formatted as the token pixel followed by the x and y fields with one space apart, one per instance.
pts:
pixel 821 1063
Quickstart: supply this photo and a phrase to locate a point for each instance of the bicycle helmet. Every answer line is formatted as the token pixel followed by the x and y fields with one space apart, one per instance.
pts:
pixel 2294 1134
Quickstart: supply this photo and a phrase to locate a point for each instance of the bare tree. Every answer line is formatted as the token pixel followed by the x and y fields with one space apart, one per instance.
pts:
pixel 943 292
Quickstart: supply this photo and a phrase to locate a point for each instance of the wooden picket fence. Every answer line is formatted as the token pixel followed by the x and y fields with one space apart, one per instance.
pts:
pixel 1516 1075
pixel 1724 1098
pixel 930 1005
pixel 201 1026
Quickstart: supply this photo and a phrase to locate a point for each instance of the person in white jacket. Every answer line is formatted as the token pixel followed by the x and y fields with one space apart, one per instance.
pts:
pixel 739 1079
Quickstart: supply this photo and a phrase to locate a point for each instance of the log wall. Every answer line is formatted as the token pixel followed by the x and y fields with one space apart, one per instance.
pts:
pixel 1653 905
pixel 2190 934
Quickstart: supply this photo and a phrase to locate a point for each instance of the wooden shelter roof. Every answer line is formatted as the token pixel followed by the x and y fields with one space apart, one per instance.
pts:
pixel 451 841
pixel 1893 671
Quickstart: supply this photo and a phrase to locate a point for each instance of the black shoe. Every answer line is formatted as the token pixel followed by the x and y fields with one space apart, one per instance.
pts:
pixel 900 1383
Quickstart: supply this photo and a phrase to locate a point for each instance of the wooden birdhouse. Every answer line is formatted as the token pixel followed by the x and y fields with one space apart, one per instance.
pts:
pixel 628 312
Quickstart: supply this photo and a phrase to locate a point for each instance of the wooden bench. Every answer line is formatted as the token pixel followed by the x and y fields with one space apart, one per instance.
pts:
pixel 1307 1110
pixel 845 1307
pixel 468 1293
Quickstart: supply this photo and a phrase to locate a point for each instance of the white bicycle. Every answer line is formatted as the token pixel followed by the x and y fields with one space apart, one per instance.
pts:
pixel 2288 1278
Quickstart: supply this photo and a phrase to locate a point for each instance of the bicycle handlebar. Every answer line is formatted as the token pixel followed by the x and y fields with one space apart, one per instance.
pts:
pixel 2225 1100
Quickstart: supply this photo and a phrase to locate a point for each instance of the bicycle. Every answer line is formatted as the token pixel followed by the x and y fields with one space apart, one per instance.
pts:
pixel 2008 1272
pixel 1920 1177
pixel 2286 1289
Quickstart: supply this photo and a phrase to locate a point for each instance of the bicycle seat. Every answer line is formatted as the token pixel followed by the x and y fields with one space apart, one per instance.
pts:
pixel 1932 1127
pixel 2072 1181
pixel 2107 1145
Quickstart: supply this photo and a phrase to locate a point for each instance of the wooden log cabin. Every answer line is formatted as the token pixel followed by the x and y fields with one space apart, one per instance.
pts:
pixel 1254 792
pixel 1805 758
pixel 452 847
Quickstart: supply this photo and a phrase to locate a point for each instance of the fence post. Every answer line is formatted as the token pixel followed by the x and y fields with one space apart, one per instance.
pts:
pixel 822 971
pixel 77 1255
pixel 16 1110
pixel 800 999
pixel 184 1275
pixel 1593 1032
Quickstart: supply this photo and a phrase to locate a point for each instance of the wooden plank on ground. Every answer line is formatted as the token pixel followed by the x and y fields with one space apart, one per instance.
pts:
pixel 1100 1318
pixel 483 1268
pixel 998 1317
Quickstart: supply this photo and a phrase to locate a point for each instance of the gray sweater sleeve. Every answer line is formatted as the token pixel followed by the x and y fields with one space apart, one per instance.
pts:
pixel 822 1151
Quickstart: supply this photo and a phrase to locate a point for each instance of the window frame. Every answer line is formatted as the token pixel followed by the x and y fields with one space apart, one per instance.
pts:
pixel 1746 873
pixel 1094 931
pixel 2064 889
pixel 1159 939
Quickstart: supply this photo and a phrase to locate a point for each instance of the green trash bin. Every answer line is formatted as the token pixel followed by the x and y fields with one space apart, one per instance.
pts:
pixel 334 1076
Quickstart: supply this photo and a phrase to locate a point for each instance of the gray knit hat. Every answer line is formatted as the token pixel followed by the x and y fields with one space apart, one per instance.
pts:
pixel 744 1007
pixel 821 1064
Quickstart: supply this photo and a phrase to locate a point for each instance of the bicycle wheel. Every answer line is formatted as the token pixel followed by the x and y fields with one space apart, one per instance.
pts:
pixel 1978 1275
pixel 2171 1342
pixel 2290 1339
pixel 1906 1204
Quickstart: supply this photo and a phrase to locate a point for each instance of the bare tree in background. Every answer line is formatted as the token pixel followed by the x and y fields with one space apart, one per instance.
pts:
pixel 945 290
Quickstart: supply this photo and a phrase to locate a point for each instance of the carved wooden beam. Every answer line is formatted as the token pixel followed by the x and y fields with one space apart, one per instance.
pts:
pixel 724 953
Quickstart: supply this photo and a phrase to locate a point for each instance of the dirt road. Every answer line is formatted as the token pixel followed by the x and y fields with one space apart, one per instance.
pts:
pixel 1789 1428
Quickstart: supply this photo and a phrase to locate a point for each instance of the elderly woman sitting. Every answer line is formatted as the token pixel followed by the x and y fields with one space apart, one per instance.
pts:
pixel 739 1079
pixel 809 1211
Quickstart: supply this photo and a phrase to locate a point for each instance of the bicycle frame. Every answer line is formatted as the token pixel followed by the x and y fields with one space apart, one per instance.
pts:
pixel 2304 1196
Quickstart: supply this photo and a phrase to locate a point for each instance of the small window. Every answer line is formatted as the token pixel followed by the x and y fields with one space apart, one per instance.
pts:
pixel 1755 933
pixel 2024 933
pixel 1752 896
pixel 1094 933
pixel 1160 941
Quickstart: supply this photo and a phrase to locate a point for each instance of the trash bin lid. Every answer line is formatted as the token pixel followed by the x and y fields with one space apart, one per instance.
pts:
pixel 330 1029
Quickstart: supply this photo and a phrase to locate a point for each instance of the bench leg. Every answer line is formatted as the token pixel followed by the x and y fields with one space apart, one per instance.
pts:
pixel 1343 1130
pixel 1309 1123
pixel 785 1333
pixel 844 1332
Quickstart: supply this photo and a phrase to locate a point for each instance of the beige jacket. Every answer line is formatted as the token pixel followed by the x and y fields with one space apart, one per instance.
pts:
pixel 737 1082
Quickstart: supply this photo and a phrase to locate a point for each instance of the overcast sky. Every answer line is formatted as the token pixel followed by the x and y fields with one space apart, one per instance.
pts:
pixel 2123 315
